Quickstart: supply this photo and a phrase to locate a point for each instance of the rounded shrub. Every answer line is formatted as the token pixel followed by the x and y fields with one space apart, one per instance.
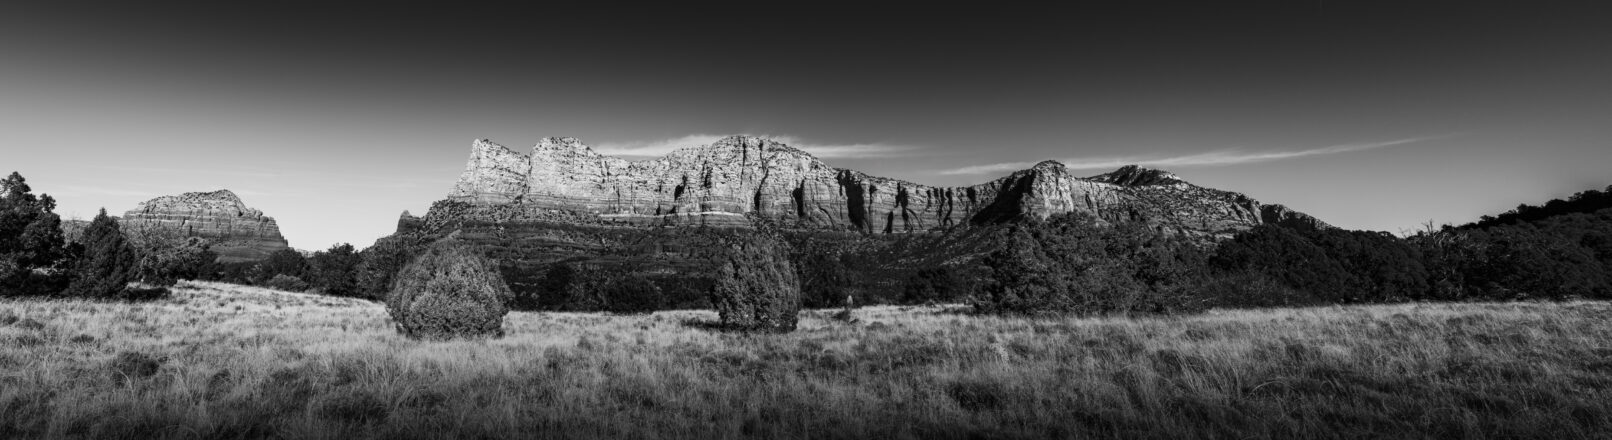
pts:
pixel 756 286
pixel 449 291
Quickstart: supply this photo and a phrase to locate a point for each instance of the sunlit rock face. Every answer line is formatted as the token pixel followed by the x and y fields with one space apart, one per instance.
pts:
pixel 237 232
pixel 718 183
pixel 562 202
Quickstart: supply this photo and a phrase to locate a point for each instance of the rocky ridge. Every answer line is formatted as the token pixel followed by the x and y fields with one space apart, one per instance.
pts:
pixel 238 233
pixel 563 205
pixel 718 184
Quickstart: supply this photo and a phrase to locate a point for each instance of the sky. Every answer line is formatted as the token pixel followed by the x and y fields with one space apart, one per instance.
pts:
pixel 335 119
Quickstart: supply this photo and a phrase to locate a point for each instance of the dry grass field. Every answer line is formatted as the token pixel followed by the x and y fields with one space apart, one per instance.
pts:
pixel 222 361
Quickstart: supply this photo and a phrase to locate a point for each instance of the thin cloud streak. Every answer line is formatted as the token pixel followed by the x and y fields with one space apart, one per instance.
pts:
pixel 1213 158
pixel 821 151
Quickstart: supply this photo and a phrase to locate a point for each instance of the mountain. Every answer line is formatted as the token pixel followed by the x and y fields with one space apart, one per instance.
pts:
pixel 717 184
pixel 238 233
pixel 562 202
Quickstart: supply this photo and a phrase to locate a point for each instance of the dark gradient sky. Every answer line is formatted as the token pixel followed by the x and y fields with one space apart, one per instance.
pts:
pixel 335 119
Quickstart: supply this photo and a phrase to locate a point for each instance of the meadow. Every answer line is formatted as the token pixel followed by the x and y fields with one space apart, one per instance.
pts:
pixel 225 361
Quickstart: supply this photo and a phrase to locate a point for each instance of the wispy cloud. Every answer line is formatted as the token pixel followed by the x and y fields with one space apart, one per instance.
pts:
pixel 823 151
pixel 1213 158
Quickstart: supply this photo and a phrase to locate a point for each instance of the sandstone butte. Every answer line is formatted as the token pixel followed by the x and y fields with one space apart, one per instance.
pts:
pixel 238 233
pixel 717 184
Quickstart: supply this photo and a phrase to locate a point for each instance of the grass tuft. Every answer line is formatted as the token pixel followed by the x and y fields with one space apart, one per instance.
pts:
pixel 132 365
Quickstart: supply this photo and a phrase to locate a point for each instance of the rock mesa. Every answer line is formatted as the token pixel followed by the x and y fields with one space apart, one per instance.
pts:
pixel 238 233
pixel 718 184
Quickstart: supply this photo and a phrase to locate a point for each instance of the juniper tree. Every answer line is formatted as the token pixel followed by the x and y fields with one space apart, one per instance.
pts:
pixel 108 261
pixel 756 287
pixel 449 291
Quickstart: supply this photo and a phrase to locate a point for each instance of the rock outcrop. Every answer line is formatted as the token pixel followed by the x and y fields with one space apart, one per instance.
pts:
pixel 238 233
pixel 1282 215
pixel 719 183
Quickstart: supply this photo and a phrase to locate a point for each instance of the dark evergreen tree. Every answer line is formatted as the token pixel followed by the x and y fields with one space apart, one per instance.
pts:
pixel 30 239
pixel 108 262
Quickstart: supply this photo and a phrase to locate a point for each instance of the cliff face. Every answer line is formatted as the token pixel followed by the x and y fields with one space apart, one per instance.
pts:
pixel 238 233
pixel 563 203
pixel 717 184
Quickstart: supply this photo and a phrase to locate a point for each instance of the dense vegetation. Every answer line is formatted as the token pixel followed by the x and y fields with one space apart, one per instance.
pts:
pixel 1071 264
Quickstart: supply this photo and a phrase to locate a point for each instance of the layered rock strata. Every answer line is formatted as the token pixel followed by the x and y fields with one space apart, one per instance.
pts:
pixel 563 204
pixel 238 233
pixel 717 184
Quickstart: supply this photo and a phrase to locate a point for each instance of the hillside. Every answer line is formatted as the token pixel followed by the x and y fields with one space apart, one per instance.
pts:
pixel 223 361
